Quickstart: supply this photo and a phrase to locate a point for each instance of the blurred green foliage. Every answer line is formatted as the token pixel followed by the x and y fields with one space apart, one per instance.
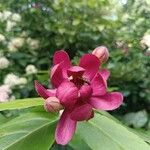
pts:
pixel 54 25
pixel 78 27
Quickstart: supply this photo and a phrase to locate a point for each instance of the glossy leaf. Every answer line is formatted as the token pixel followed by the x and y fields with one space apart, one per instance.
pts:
pixel 104 133
pixel 30 131
pixel 20 104
pixel 145 135
pixel 77 143
pixel 36 131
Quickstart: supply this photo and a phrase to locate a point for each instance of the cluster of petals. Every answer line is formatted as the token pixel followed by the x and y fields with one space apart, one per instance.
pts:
pixel 77 90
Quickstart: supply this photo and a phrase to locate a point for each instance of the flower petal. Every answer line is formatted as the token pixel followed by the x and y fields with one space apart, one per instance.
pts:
pixel 53 91
pixel 109 101
pixel 105 74
pixel 75 71
pixel 67 93
pixel 57 76
pixel 65 129
pixel 83 112
pixel 85 92
pixel 91 65
pixel 98 85
pixel 43 92
pixel 62 56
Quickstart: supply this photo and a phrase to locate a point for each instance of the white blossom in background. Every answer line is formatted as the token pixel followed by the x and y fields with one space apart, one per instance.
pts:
pixel 10 24
pixel 24 34
pixel 12 47
pixel 15 43
pixel 4 62
pixel 11 80
pixel 4 97
pixel 31 69
pixel 18 42
pixel 5 88
pixel 16 17
pixel 2 38
pixel 22 81
pixel 137 119
pixel 6 14
pixel 11 18
pixel 5 92
pixel 33 44
pixel 146 40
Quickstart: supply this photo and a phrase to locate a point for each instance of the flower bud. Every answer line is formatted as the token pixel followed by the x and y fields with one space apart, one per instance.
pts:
pixel 101 53
pixel 52 104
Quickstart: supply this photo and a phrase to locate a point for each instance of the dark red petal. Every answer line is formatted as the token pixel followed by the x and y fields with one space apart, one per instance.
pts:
pixel 105 74
pixel 67 92
pixel 75 71
pixel 83 112
pixel 65 129
pixel 44 92
pixel 91 65
pixel 52 91
pixel 110 101
pixel 57 76
pixel 98 85
pixel 62 56
pixel 85 92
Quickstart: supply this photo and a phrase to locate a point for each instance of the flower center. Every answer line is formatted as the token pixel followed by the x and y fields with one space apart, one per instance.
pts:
pixel 75 75
pixel 78 81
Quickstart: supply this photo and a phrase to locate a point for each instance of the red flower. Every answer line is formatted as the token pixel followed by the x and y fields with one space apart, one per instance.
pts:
pixel 77 89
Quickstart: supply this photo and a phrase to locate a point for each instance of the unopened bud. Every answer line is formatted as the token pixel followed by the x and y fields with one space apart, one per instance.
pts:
pixel 52 104
pixel 101 53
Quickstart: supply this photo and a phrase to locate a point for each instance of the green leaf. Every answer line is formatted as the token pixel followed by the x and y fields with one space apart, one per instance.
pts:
pixel 30 131
pixel 145 135
pixel 3 119
pixel 22 103
pixel 77 143
pixel 36 131
pixel 105 133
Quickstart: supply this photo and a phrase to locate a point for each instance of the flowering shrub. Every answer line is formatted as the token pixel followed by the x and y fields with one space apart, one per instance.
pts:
pixel 24 41
pixel 27 45
pixel 4 62
pixel 15 73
